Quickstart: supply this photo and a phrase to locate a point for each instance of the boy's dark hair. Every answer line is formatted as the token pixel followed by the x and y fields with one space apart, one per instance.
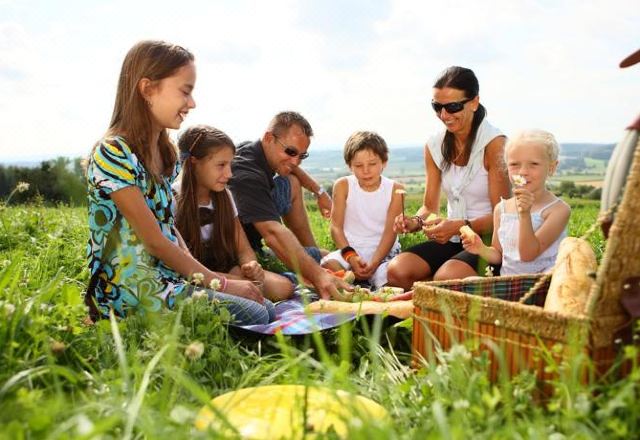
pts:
pixel 219 253
pixel 365 140
pixel 285 120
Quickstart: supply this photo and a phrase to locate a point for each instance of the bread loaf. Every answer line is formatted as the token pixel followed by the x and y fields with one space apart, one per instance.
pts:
pixel 572 277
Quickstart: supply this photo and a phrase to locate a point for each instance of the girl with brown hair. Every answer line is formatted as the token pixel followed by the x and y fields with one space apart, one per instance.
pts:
pixel 136 257
pixel 207 217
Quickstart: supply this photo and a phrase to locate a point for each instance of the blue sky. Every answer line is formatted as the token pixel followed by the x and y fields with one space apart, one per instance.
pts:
pixel 345 65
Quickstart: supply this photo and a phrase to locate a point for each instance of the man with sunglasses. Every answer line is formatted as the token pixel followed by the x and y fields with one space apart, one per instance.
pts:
pixel 267 187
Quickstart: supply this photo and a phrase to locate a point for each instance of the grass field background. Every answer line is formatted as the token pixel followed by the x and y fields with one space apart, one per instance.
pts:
pixel 60 378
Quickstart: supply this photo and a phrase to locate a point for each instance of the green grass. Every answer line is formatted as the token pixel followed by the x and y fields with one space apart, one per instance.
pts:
pixel 131 379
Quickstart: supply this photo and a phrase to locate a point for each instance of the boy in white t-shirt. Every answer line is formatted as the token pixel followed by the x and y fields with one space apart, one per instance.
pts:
pixel 365 205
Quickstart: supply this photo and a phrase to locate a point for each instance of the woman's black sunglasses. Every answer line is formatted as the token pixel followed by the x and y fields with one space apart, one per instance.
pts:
pixel 290 151
pixel 450 107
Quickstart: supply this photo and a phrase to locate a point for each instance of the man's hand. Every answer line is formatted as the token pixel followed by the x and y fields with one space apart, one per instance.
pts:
pixel 324 204
pixel 327 285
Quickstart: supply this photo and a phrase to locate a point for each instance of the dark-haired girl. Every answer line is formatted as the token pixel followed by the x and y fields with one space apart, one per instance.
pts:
pixel 465 161
pixel 207 217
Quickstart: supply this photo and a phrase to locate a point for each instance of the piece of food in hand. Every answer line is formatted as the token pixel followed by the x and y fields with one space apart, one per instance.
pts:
pixel 349 277
pixel 401 191
pixel 466 232
pixel 431 216
pixel 519 180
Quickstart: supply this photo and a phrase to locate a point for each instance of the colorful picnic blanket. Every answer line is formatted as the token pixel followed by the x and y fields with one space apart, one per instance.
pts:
pixel 291 319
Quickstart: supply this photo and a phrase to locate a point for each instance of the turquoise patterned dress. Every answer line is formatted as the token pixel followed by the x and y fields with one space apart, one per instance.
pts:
pixel 124 276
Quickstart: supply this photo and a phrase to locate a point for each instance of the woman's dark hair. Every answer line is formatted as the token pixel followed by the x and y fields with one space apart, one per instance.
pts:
pixel 219 253
pixel 464 79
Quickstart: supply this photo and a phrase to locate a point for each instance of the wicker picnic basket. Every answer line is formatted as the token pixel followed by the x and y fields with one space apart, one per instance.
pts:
pixel 505 315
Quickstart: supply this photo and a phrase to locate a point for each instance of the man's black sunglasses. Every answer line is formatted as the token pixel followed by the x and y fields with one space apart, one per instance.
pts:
pixel 450 107
pixel 291 151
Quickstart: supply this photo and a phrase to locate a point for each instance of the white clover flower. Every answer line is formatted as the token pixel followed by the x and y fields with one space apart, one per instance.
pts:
pixel 84 426
pixel 9 309
pixel 441 370
pixel 460 351
pixel 461 404
pixel 194 350
pixel 199 294
pixel 519 180
pixel 22 187
pixel 215 284
pixel 198 278
pixel 488 271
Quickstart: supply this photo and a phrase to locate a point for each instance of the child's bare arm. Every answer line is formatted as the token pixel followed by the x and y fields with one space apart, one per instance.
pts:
pixel 245 253
pixel 388 237
pixel 472 242
pixel 530 244
pixel 340 192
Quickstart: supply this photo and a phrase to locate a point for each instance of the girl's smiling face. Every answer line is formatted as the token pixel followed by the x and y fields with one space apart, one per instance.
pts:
pixel 531 161
pixel 170 98
pixel 213 171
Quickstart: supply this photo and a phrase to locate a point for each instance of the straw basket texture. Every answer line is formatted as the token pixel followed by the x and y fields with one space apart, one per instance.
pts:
pixel 505 315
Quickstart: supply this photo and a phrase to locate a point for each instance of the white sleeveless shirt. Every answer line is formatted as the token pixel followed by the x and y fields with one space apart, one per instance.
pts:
pixel 508 236
pixel 466 187
pixel 366 213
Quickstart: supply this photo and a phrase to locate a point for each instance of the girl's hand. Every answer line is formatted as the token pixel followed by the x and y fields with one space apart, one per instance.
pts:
pixel 440 230
pixel 245 289
pixel 252 271
pixel 472 243
pixel 524 200
pixel 403 224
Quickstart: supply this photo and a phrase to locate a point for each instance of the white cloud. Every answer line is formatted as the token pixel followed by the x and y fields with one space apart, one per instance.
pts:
pixel 344 65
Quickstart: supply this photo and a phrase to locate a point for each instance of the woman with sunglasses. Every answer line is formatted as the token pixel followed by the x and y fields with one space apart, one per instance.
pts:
pixel 465 161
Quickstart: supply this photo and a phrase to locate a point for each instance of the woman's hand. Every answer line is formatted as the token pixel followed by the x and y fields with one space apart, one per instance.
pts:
pixel 252 271
pixel 403 224
pixel 524 200
pixel 245 289
pixel 441 230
